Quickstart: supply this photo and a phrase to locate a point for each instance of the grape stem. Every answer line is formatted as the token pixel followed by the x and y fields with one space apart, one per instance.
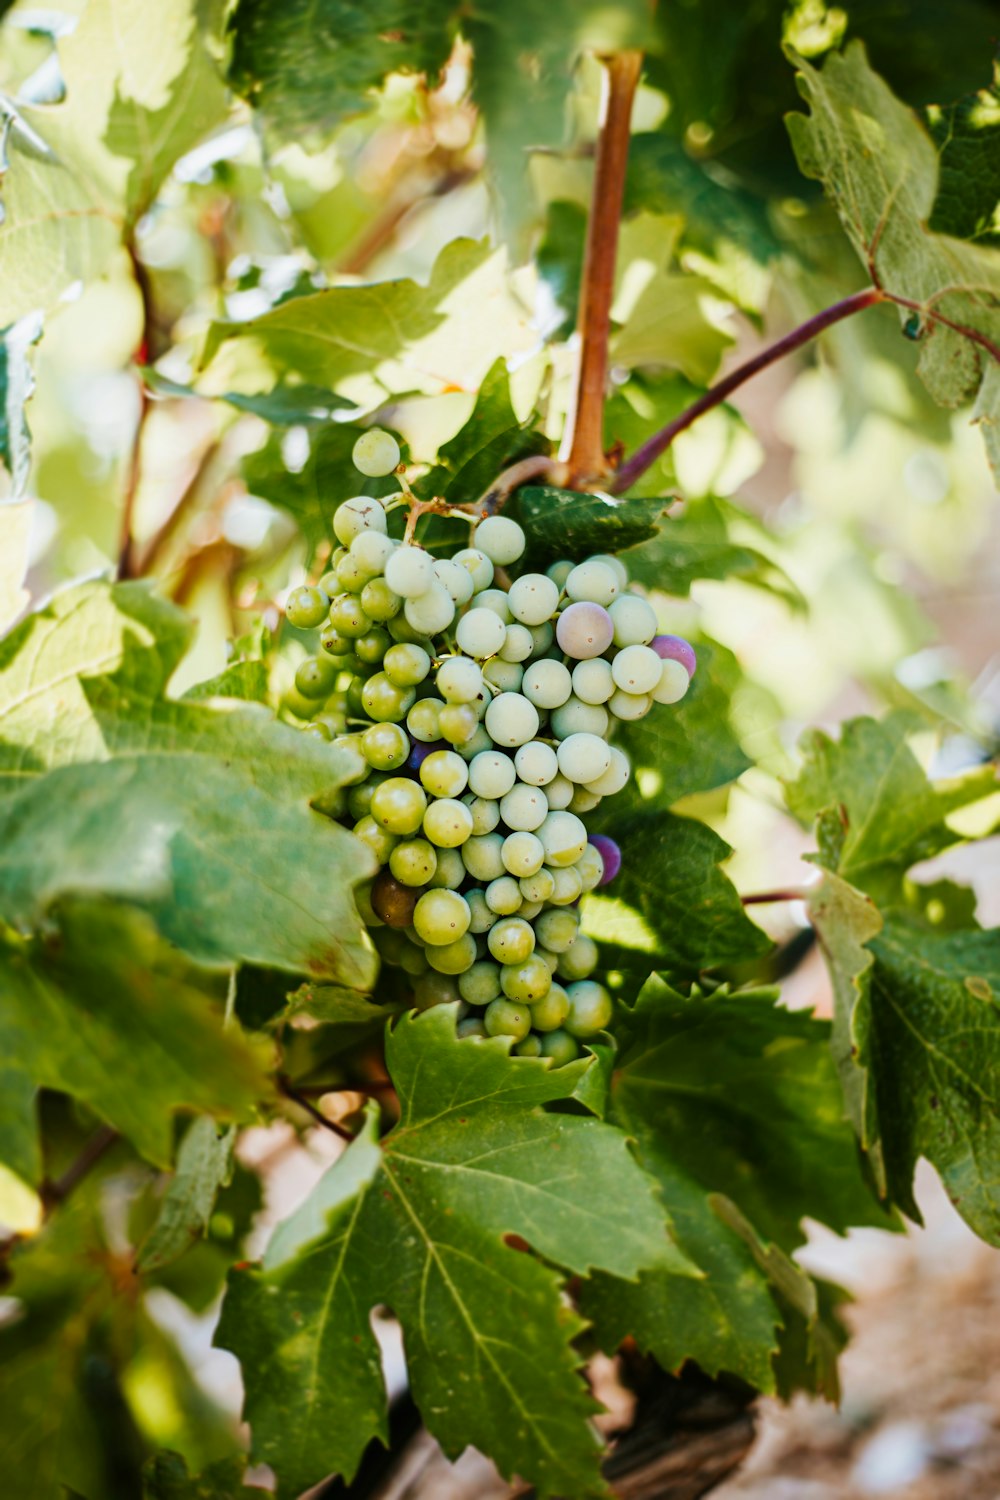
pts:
pixel 768 898
pixel 646 455
pixel 317 1114
pixel 128 562
pixel 438 507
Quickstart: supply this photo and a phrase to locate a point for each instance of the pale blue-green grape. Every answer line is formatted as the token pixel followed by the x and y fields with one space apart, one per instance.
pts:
pixel 371 550
pixel 568 886
pixel 424 720
pixel 559 793
pixel 444 774
pixel 434 989
pixel 511 941
pixel 458 722
pixel 526 982
pixel 523 853
pixel 482 918
pixel 592 583
pixel 505 1018
pixel 376 453
pixel 580 959
pixel 583 801
pixel 441 916
pixel 561 1047
pixel 506 676
pixel 491 774
pixel 385 746
pixel 483 857
pixel 348 618
pixel 448 822
pixel 524 808
pixel 500 538
pixel 477 565
pixel 546 683
pixel 533 598
pixel 460 680
pixel 583 757
pixel 456 579
pixel 536 764
pixel 471 1026
pixel 512 720
pixel 384 701
pixel 517 644
pixel 530 909
pixel 575 717
pixel 413 862
pixel 353 575
pixel 406 664
pixel 306 607
pixel 363 902
pixel 379 840
pixel 450 870
pixel 454 957
pixel 543 636
pixel 615 564
pixel 614 778
pixel 485 813
pixel 503 896
pixel 495 600
pixel 480 633
pixel 480 984
pixel 630 706
pixel 316 677
pixel 592 680
pixel 633 619
pixel 431 612
pixel 409 572
pixel 590 1009
pixel 590 868
pixel 559 572
pixel 480 741
pixel 538 887
pixel 359 513
pixel 531 1046
pixel 563 838
pixel 672 683
pixel 548 1013
pixel 637 669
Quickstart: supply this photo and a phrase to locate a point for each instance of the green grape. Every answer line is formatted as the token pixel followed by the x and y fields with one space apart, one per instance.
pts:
pixel 590 868
pixel 352 575
pixel 448 822
pixel 505 1018
pixel 379 840
pixel 376 453
pixel 348 618
pixel 491 775
pixel 559 793
pixel 568 886
pixel 328 583
pixel 401 630
pixel 592 680
pixel 524 808
pixel 543 636
pixel 359 513
pixel 413 862
pixel 501 539
pixel 458 722
pixel 433 988
pixel 431 612
pixel 561 1047
pixel 526 982
pixel 580 959
pixel 334 720
pixel 372 550
pixel 481 983
pixel 393 902
pixel 503 896
pixel 385 746
pixel 531 1046
pixel 355 705
pixel 548 1013
pixel 636 669
pixel 672 683
pixel 471 1026
pixel 615 564
pixel 450 870
pixel 410 571
pixel 559 572
pixel 306 607
pixel 456 579
pixel 480 633
pixel 318 731
pixel 512 720
pixel 485 814
pixel 575 717
pixel 593 582
pixel 337 646
pixel 414 960
pixel 379 602
pixel 372 647
pixel 399 805
pixel 533 598
pixel 316 677
pixel 444 774
pixel 406 664
pixel 479 742
pixel 384 701
pixel 522 854
pixel 441 916
pixel 633 619
pixel 505 676
pixel 495 600
pixel 530 909
pixel 536 764
pixel 614 778
pixel 482 918
pixel 557 929
pixel 483 857
pixel 583 801
pixel 563 838
pixel 629 706
pixel 362 900
pixel 459 680
pixel 477 565
pixel 389 943
pixel 540 885
pixel 359 797
pixel 424 720
pixel 518 645
pixel 590 1009
pixel 511 941
pixel 454 957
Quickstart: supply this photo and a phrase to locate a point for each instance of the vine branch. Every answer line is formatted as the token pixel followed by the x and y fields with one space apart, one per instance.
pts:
pixel 317 1114
pixel 583 445
pixel 127 559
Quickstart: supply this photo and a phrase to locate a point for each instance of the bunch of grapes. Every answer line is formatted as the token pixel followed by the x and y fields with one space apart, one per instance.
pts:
pixel 483 710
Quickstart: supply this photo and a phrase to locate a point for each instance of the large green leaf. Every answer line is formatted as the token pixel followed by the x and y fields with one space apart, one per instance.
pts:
pixel 421 1223
pixel 204 1165
pixel 967 135
pixel 562 523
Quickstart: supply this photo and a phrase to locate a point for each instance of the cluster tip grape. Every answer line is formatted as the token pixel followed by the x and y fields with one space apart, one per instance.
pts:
pixel 482 711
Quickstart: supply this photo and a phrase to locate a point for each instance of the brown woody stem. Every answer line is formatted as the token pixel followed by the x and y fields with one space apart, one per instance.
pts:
pixel 127 559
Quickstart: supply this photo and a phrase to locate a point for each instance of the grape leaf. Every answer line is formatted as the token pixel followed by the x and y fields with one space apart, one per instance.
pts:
pixel 140 1055
pixel 966 134
pixel 166 1477
pixel 491 439
pixel 244 680
pixel 15 533
pixel 419 1223
pixel 880 167
pixel 204 1164
pixel 562 523
pixel 16 385
pixel 699 542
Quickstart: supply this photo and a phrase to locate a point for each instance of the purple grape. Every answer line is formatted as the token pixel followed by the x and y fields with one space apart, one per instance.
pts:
pixel 419 753
pixel 611 855
pixel 585 630
pixel 675 648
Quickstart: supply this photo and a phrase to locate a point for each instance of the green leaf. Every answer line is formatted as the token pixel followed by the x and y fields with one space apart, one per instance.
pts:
pixel 880 167
pixel 701 542
pixel 562 523
pixel 204 1164
pixel 166 1477
pixel 15 532
pixel 17 383
pixel 967 135
pixel 421 1223
pixel 244 680
pixel 139 1055
pixel 491 440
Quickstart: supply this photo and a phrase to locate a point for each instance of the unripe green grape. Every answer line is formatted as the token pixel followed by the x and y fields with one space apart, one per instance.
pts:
pixel 372 551
pixel 371 648
pixel 414 961
pixel 537 887
pixel 614 778
pixel 355 703
pixel 637 669
pixel 557 930
pixel 348 618
pixel 559 793
pixel 480 741
pixel 481 983
pixel 505 1018
pixel 672 683
pixel 433 989
pixel 406 665
pixel 376 453
pixel 458 722
pixel 384 701
pixel 450 870
pixel 456 579
pixel 561 1047
pixel 592 680
pixel 546 683
pixel 306 607
pixel 494 600
pixel 441 916
pixel 444 774
pixel 517 644
pixel 504 675
pixel 523 854
pixel 410 572
pixel 527 982
pixel 399 805
pixel 563 838
pixel 536 764
pixel 352 575
pixel 568 886
pixel 511 941
pixel 385 746
pixel 485 814
pixel 328 583
pixel 580 959
pixel 590 1009
pixel 483 857
pixel 471 1026
pixel 548 1013
pixel 379 602
pixel 552 959
pixel 593 583
pixel 530 910
pixel 424 720
pixel 630 706
pixel 332 719
pixel 316 677
pixel 590 868
pixel 583 801
pixel 413 862
pixel 359 797
pixel 533 598
pixel 389 943
pixel 543 636
pixel 633 619
pixel 491 774
pixel 336 645
pixel 500 538
pixel 394 903
pixel 583 757
pixel 503 896
pixel 400 629
pixel 524 808
pixel 575 717
pixel 480 633
pixel 512 720
pixel 477 565
pixel 615 564
pixel 559 572
pixel 318 731
pixel 432 612
pixel 482 918
pixel 454 957
pixel 359 513
pixel 367 913
pixel 531 1046
pixel 379 840
pixel 459 680
pixel 448 822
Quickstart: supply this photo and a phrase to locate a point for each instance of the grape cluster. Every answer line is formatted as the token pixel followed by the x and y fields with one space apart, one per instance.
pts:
pixel 482 710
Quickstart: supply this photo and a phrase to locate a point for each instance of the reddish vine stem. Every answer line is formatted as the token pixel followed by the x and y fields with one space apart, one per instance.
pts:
pixel 97 1146
pixel 583 447
pixel 646 455
pixel 768 898
pixel 317 1114
pixel 127 559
